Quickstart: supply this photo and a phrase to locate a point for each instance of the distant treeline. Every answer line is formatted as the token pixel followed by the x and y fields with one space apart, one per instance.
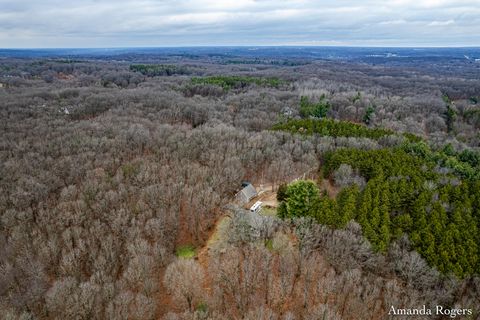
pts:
pixel 153 70
pixel 235 82
pixel 465 164
pixel 334 128
pixel 286 63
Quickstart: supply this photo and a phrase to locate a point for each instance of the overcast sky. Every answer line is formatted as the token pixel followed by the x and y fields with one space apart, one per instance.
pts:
pixel 146 23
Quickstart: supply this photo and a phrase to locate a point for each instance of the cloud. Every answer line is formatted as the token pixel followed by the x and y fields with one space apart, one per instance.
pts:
pixel 89 23
pixel 441 23
pixel 392 22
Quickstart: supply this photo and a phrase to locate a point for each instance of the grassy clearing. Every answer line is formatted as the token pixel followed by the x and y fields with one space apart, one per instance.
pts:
pixel 187 251
pixel 269 244
pixel 268 211
pixel 219 238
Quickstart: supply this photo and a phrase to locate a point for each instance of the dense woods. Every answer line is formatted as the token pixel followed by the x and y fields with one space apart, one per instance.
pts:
pixel 236 82
pixel 402 195
pixel 332 128
pixel 118 177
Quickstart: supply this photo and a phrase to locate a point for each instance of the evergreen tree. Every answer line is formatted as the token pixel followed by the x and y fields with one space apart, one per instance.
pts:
pixel 450 117
pixel 302 198
pixel 367 118
pixel 347 203
pixel 401 224
pixel 365 205
pixel 282 192
pixel 326 213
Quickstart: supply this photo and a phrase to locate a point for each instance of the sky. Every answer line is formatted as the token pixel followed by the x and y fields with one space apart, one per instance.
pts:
pixel 158 23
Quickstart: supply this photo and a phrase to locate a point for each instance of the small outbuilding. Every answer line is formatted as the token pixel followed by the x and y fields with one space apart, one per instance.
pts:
pixel 246 194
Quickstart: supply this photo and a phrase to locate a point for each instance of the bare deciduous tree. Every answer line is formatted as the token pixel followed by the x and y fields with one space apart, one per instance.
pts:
pixel 184 279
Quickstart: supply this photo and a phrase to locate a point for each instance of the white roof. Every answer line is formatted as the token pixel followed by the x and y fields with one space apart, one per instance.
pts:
pixel 256 205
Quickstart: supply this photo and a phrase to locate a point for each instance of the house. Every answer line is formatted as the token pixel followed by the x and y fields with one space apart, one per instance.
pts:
pixel 246 194
pixel 287 111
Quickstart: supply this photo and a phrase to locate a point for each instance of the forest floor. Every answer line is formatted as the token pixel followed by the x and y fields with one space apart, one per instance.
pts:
pixel 328 186
pixel 216 240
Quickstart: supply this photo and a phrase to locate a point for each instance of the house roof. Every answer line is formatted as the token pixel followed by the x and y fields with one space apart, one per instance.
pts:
pixel 247 193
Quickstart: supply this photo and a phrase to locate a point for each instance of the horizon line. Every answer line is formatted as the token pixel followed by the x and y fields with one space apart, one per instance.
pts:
pixel 248 46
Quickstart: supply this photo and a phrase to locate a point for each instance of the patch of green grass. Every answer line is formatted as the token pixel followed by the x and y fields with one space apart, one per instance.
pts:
pixel 268 211
pixel 269 244
pixel 202 307
pixel 129 170
pixel 186 251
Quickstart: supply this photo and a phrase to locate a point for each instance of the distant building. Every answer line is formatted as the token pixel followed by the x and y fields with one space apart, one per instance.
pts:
pixel 246 194
pixel 287 111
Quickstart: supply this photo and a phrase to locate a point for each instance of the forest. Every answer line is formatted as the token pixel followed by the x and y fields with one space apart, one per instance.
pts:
pixel 119 173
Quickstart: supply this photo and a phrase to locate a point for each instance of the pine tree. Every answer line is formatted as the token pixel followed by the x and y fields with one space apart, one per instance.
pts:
pixel 302 198
pixel 347 203
pixel 326 213
pixel 372 228
pixel 401 224
pixel 384 235
pixel 365 205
